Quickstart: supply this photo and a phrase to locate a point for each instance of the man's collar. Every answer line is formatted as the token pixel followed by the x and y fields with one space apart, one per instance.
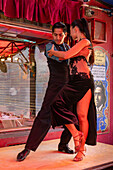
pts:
pixel 57 44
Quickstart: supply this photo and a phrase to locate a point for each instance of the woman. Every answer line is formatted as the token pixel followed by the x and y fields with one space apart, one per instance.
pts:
pixel 78 90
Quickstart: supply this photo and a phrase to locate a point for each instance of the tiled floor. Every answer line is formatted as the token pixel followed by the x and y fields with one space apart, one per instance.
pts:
pixel 48 158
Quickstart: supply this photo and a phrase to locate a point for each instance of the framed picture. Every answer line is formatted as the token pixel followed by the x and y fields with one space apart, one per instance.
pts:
pixel 97 30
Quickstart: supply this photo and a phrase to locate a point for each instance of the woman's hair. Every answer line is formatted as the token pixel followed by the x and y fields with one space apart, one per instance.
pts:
pixel 59 25
pixel 82 24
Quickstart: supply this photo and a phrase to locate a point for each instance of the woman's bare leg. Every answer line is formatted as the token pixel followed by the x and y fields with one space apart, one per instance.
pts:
pixel 76 135
pixel 72 129
pixel 82 111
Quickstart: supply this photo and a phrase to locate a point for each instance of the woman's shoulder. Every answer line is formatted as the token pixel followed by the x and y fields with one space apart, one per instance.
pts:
pixel 85 41
pixel 82 44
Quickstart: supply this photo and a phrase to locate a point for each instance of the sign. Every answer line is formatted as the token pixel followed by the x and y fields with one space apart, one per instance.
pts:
pixel 101 72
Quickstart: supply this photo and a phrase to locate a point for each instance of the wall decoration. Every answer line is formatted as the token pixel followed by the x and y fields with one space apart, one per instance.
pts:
pixel 101 73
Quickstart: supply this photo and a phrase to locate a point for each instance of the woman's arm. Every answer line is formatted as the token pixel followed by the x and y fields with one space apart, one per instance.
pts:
pixel 84 52
pixel 71 52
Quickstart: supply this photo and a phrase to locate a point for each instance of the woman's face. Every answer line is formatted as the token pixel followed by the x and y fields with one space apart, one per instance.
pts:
pixel 73 32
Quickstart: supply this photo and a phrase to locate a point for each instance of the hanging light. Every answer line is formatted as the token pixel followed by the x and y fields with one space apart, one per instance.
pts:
pixel 16 58
pixel 9 58
pixel 2 59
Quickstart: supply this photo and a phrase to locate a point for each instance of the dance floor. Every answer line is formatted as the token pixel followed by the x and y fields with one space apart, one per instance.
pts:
pixel 47 157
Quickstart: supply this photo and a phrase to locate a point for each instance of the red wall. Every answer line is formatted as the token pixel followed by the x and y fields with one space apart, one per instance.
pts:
pixel 108 46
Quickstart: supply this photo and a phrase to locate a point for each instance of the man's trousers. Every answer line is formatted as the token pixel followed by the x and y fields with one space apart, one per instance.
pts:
pixel 42 122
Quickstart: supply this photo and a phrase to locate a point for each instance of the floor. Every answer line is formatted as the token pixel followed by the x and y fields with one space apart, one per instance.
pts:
pixel 47 157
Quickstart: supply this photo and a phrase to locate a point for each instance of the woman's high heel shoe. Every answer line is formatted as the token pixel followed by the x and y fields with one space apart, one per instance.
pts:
pixel 77 158
pixel 77 139
pixel 82 151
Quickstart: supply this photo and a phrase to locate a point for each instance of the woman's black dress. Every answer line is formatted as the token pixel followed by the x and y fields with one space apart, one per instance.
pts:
pixel 71 93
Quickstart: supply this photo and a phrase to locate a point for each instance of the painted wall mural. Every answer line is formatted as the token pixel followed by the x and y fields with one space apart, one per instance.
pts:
pixel 101 73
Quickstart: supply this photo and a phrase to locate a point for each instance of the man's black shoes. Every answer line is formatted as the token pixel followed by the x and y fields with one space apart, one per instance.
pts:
pixel 22 155
pixel 65 149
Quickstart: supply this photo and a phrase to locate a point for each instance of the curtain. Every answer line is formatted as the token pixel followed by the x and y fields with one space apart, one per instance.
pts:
pixel 43 11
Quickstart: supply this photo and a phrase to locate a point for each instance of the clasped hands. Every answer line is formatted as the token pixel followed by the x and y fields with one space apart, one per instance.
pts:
pixel 84 52
pixel 50 52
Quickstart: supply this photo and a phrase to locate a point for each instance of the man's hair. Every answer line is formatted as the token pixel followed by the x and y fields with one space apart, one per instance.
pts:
pixel 59 25
pixel 103 95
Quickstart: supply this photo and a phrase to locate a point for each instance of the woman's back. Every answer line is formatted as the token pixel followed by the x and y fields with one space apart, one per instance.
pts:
pixel 79 63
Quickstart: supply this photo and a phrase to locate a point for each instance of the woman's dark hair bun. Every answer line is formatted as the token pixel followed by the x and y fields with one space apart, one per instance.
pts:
pixel 84 21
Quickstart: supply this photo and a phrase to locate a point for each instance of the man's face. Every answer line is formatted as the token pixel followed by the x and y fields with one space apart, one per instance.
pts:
pixel 98 96
pixel 59 35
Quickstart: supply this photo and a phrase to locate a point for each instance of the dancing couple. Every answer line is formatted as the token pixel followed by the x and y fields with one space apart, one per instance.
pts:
pixel 78 90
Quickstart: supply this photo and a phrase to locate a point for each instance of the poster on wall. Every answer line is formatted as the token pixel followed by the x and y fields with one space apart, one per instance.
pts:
pixel 101 73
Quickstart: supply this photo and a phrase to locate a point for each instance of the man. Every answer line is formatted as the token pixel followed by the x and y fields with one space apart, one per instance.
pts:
pixel 59 73
pixel 100 97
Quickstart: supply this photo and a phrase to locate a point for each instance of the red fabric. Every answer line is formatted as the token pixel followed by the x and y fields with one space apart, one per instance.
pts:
pixel 54 9
pixel 0 4
pixel 29 6
pixel 72 11
pixel 43 11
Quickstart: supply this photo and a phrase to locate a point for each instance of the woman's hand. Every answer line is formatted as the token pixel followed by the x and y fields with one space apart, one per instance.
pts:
pixel 51 51
pixel 59 54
